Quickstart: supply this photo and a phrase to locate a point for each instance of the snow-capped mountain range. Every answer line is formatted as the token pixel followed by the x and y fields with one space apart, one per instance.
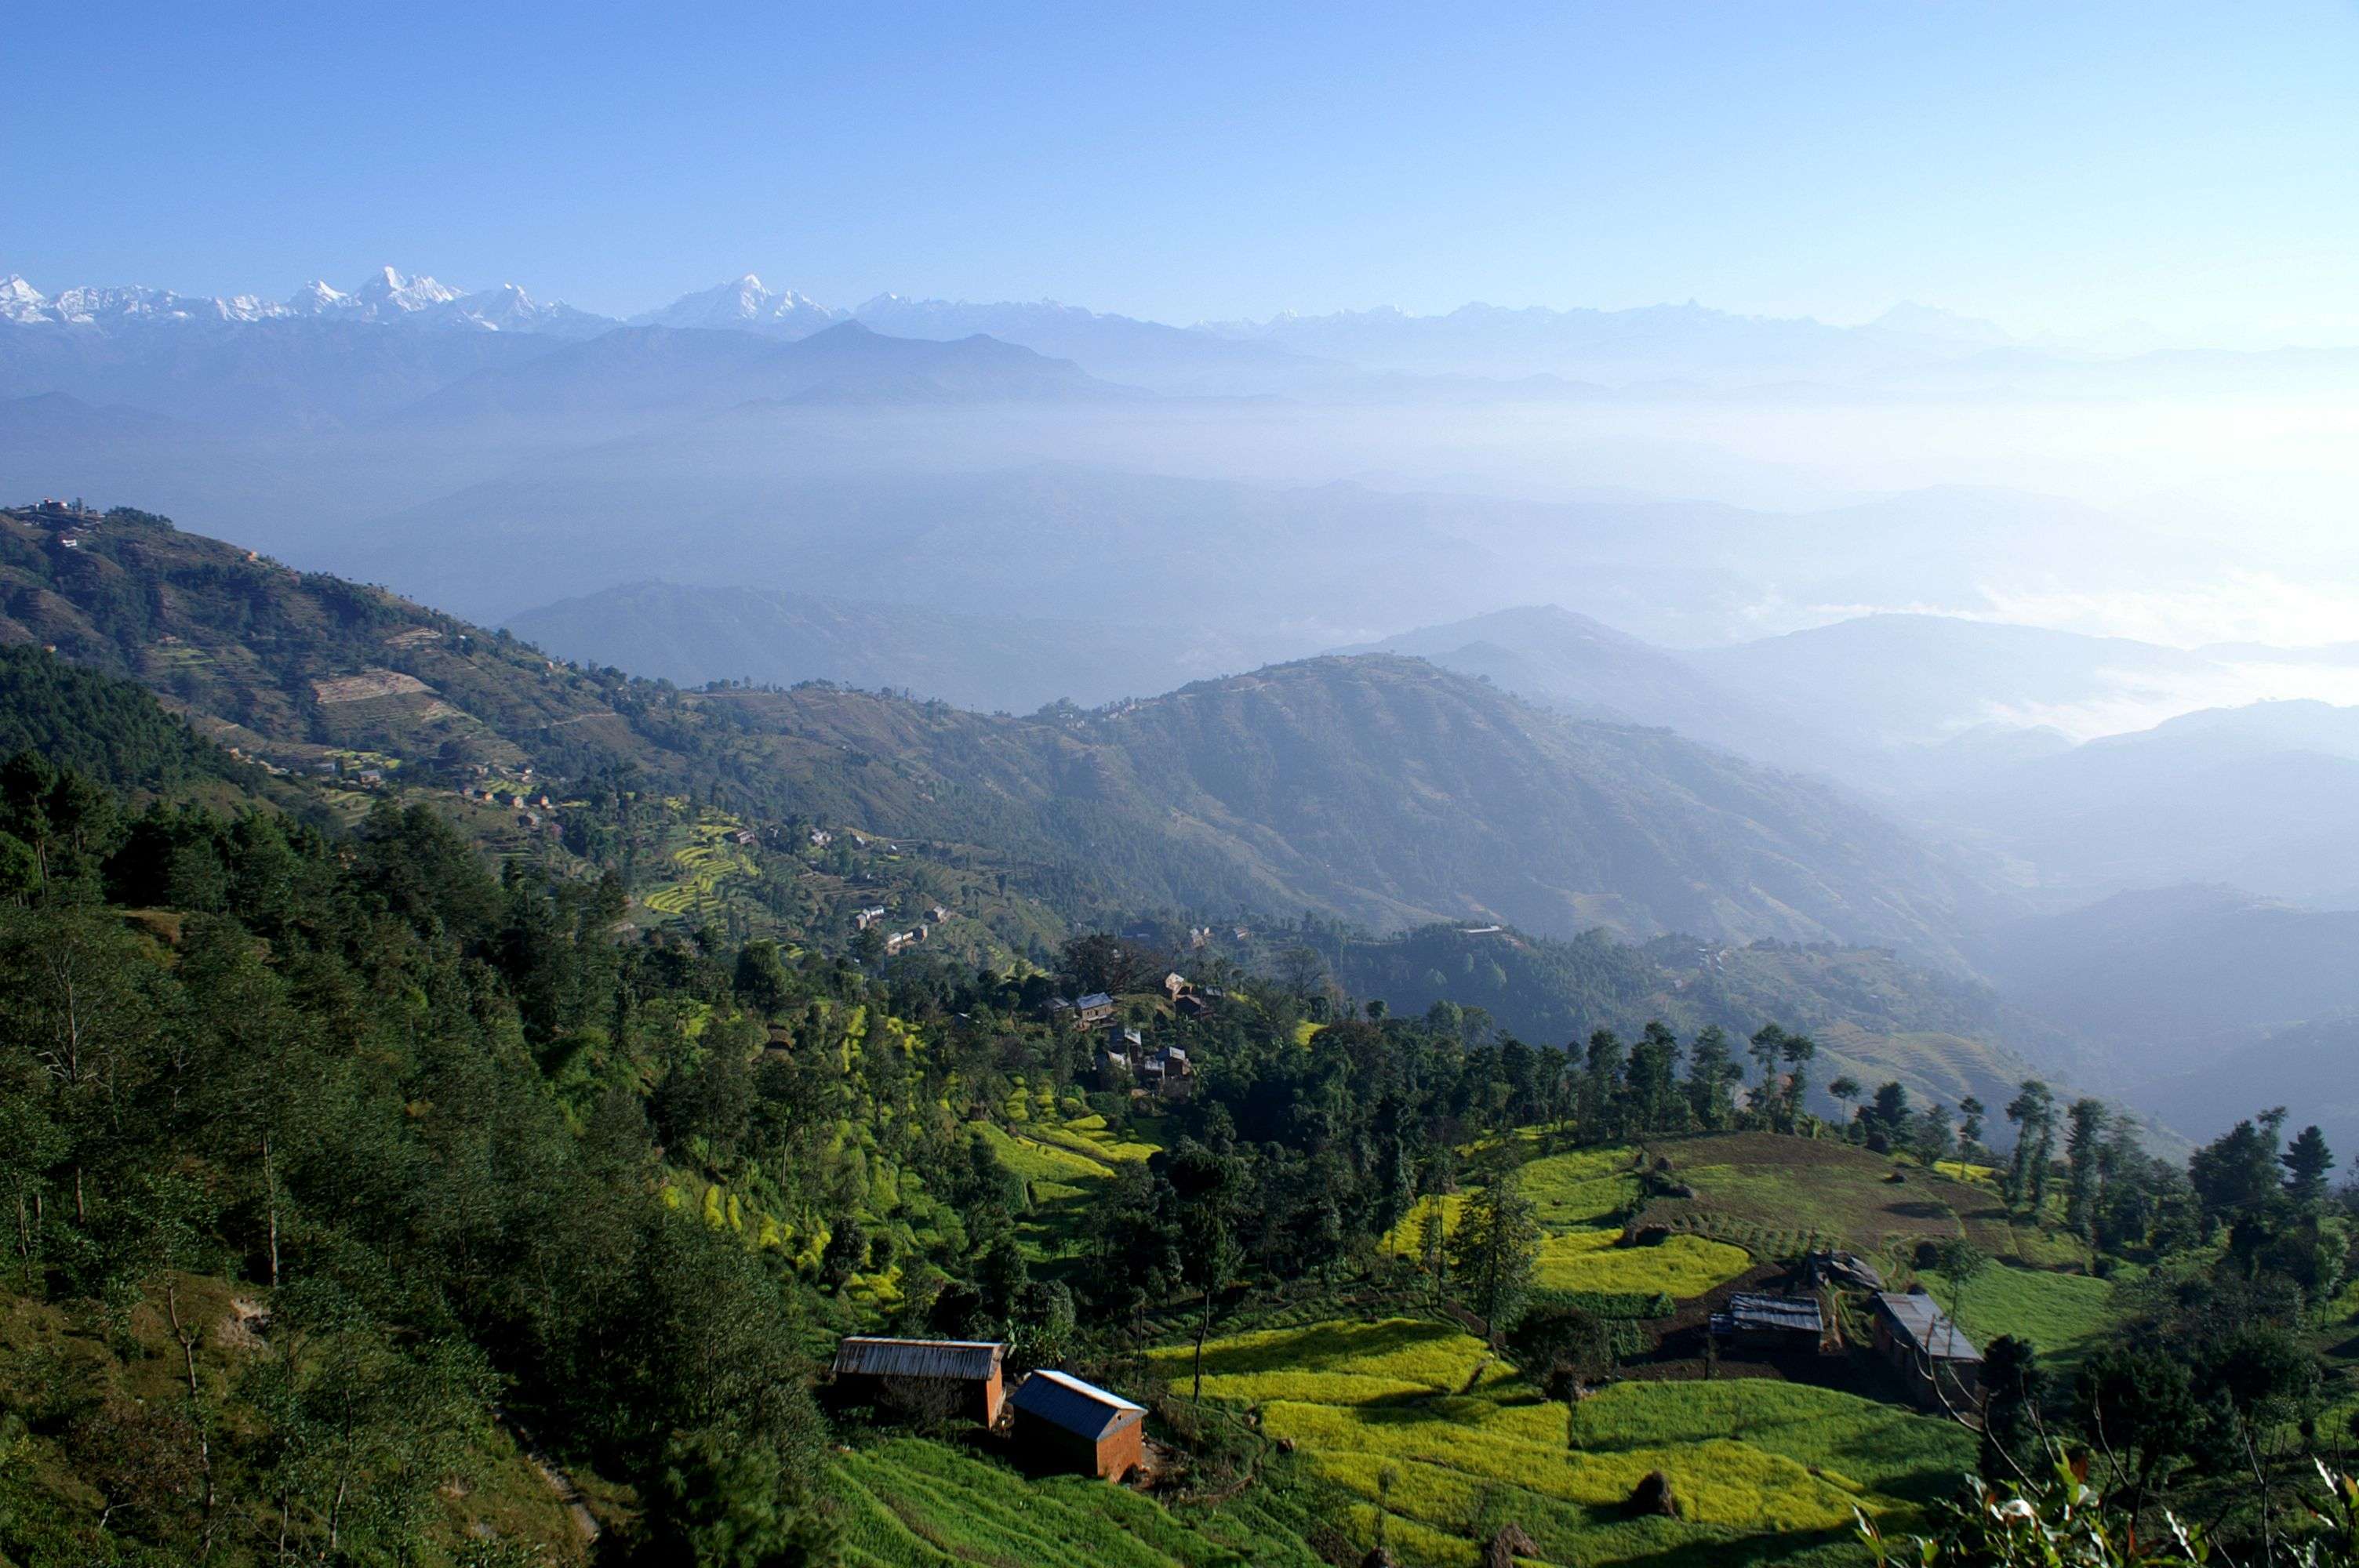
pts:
pixel 385 295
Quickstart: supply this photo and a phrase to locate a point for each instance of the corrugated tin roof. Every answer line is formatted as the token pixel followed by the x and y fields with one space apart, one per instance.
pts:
pixel 975 1359
pixel 1096 998
pixel 1084 1409
pixel 1799 1314
pixel 1921 1320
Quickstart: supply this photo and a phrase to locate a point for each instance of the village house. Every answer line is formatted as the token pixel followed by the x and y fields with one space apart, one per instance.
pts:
pixel 936 913
pixel 1063 1423
pixel 967 1371
pixel 1771 1323
pixel 1175 985
pixel 820 838
pixel 1126 1063
pixel 1918 1340
pixel 862 919
pixel 1169 1074
pixel 1093 1010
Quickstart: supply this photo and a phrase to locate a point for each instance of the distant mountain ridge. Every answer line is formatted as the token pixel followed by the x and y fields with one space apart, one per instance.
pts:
pixel 635 371
pixel 1477 352
pixel 698 635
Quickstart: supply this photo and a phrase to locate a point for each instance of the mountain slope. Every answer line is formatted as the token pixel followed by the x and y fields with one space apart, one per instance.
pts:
pixel 2257 796
pixel 2161 981
pixel 1390 789
pixel 1379 789
pixel 1911 678
pixel 1588 670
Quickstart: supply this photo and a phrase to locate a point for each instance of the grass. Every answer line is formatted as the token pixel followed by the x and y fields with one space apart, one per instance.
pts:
pixel 2062 1315
pixel 1423 1417
pixel 911 1503
pixel 1680 1266
pixel 1580 1198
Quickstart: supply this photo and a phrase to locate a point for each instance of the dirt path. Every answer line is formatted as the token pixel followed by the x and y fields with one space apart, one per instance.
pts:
pixel 560 1484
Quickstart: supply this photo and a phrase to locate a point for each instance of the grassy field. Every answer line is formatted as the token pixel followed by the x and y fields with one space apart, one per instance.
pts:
pixel 2062 1315
pixel 1455 1445
pixel 910 1503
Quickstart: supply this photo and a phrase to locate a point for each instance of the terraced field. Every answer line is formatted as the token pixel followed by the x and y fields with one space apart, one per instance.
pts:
pixel 704 856
pixel 910 1503
pixel 1580 1198
pixel 1060 1156
pixel 1681 1267
pixel 1423 1425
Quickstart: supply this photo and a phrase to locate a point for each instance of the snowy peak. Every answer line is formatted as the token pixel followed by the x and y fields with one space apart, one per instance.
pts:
pixel 19 300
pixel 744 303
pixel 315 298
pixel 387 289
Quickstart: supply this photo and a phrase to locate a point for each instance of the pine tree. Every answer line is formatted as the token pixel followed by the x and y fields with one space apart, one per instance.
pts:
pixel 2306 1160
pixel 1494 1250
pixel 2083 1142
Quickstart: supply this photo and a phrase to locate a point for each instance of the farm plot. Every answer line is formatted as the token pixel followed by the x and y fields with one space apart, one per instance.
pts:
pixel 1681 1267
pixel 2061 1316
pixel 1421 1423
pixel 910 1503
pixel 1799 1192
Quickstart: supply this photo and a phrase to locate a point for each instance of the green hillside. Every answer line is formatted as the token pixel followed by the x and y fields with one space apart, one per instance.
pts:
pixel 1378 789
pixel 1876 1016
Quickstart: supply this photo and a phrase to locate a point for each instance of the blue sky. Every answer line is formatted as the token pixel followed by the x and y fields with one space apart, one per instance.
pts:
pixel 2059 167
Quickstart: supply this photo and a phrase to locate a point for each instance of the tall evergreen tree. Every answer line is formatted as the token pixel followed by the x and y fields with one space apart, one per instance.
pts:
pixel 2306 1160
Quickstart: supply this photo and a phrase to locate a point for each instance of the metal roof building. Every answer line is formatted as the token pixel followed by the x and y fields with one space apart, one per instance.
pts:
pixel 1916 1336
pixel 1077 1425
pixel 1772 1317
pixel 874 1365
pixel 867 1357
pixel 1920 1323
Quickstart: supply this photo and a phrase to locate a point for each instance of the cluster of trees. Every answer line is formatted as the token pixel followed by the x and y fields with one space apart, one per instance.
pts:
pixel 429 1113
pixel 2207 1410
